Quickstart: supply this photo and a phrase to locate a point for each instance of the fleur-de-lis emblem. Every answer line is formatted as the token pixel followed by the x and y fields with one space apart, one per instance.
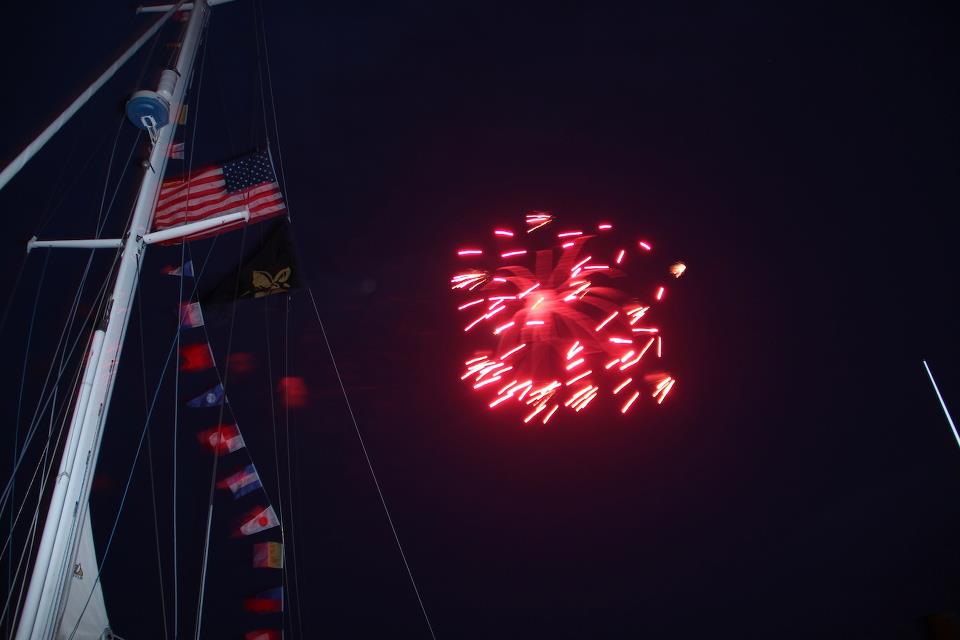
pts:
pixel 265 284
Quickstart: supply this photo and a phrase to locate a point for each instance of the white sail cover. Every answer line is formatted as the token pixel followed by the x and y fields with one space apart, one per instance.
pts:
pixel 92 615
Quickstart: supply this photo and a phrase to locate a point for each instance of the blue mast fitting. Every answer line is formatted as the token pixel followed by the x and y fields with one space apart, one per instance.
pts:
pixel 150 110
pixel 147 109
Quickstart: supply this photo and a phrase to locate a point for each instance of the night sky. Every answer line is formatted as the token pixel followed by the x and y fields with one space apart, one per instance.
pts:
pixel 800 481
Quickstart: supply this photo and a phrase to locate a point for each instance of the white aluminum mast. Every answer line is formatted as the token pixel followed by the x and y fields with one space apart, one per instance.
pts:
pixel 43 607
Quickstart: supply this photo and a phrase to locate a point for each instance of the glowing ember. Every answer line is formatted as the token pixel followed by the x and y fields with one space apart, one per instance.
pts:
pixel 558 328
pixel 537 219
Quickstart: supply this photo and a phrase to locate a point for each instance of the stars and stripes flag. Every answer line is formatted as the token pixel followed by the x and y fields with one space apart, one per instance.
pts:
pixel 246 183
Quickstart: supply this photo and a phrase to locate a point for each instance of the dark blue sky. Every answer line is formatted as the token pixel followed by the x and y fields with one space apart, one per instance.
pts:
pixel 802 161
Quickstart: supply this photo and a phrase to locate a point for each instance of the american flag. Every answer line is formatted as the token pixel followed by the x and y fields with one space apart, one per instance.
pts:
pixel 246 183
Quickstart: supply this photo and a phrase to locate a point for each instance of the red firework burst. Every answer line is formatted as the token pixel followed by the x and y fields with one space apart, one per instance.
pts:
pixel 559 333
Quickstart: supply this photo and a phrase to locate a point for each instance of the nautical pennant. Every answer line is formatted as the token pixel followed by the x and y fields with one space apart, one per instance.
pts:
pixel 272 268
pixel 184 270
pixel 191 316
pixel 222 439
pixel 269 601
pixel 196 357
pixel 268 555
pixel 242 482
pixel 257 520
pixel 212 398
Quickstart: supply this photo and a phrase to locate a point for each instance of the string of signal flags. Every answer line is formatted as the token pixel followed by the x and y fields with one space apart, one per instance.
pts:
pixel 271 269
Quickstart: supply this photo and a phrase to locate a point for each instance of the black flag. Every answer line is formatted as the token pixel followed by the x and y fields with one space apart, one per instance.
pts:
pixel 271 269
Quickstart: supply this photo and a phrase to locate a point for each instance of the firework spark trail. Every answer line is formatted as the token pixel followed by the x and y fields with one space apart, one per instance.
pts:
pixel 559 333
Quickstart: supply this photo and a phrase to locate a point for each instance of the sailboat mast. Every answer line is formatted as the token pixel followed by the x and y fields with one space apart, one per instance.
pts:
pixel 49 583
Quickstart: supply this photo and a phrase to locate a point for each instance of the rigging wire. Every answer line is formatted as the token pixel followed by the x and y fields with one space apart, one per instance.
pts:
pixel 286 407
pixel 75 526
pixel 273 105
pixel 23 504
pixel 153 488
pixel 52 212
pixel 99 227
pixel 139 447
pixel 51 209
pixel 261 34
pixel 16 433
pixel 106 182
pixel 71 316
pixel 42 405
pixel 175 433
pixel 101 220
pixel 28 548
pixel 223 383
pixel 343 389
pixel 13 292
pixel 126 488
pixel 29 556
pixel 68 327
pixel 23 378
pixel 257 28
pixel 216 457
pixel 276 454
pixel 26 354
pixel 176 387
pixel 96 309
pixel 48 214
pixel 122 118
pixel 366 456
